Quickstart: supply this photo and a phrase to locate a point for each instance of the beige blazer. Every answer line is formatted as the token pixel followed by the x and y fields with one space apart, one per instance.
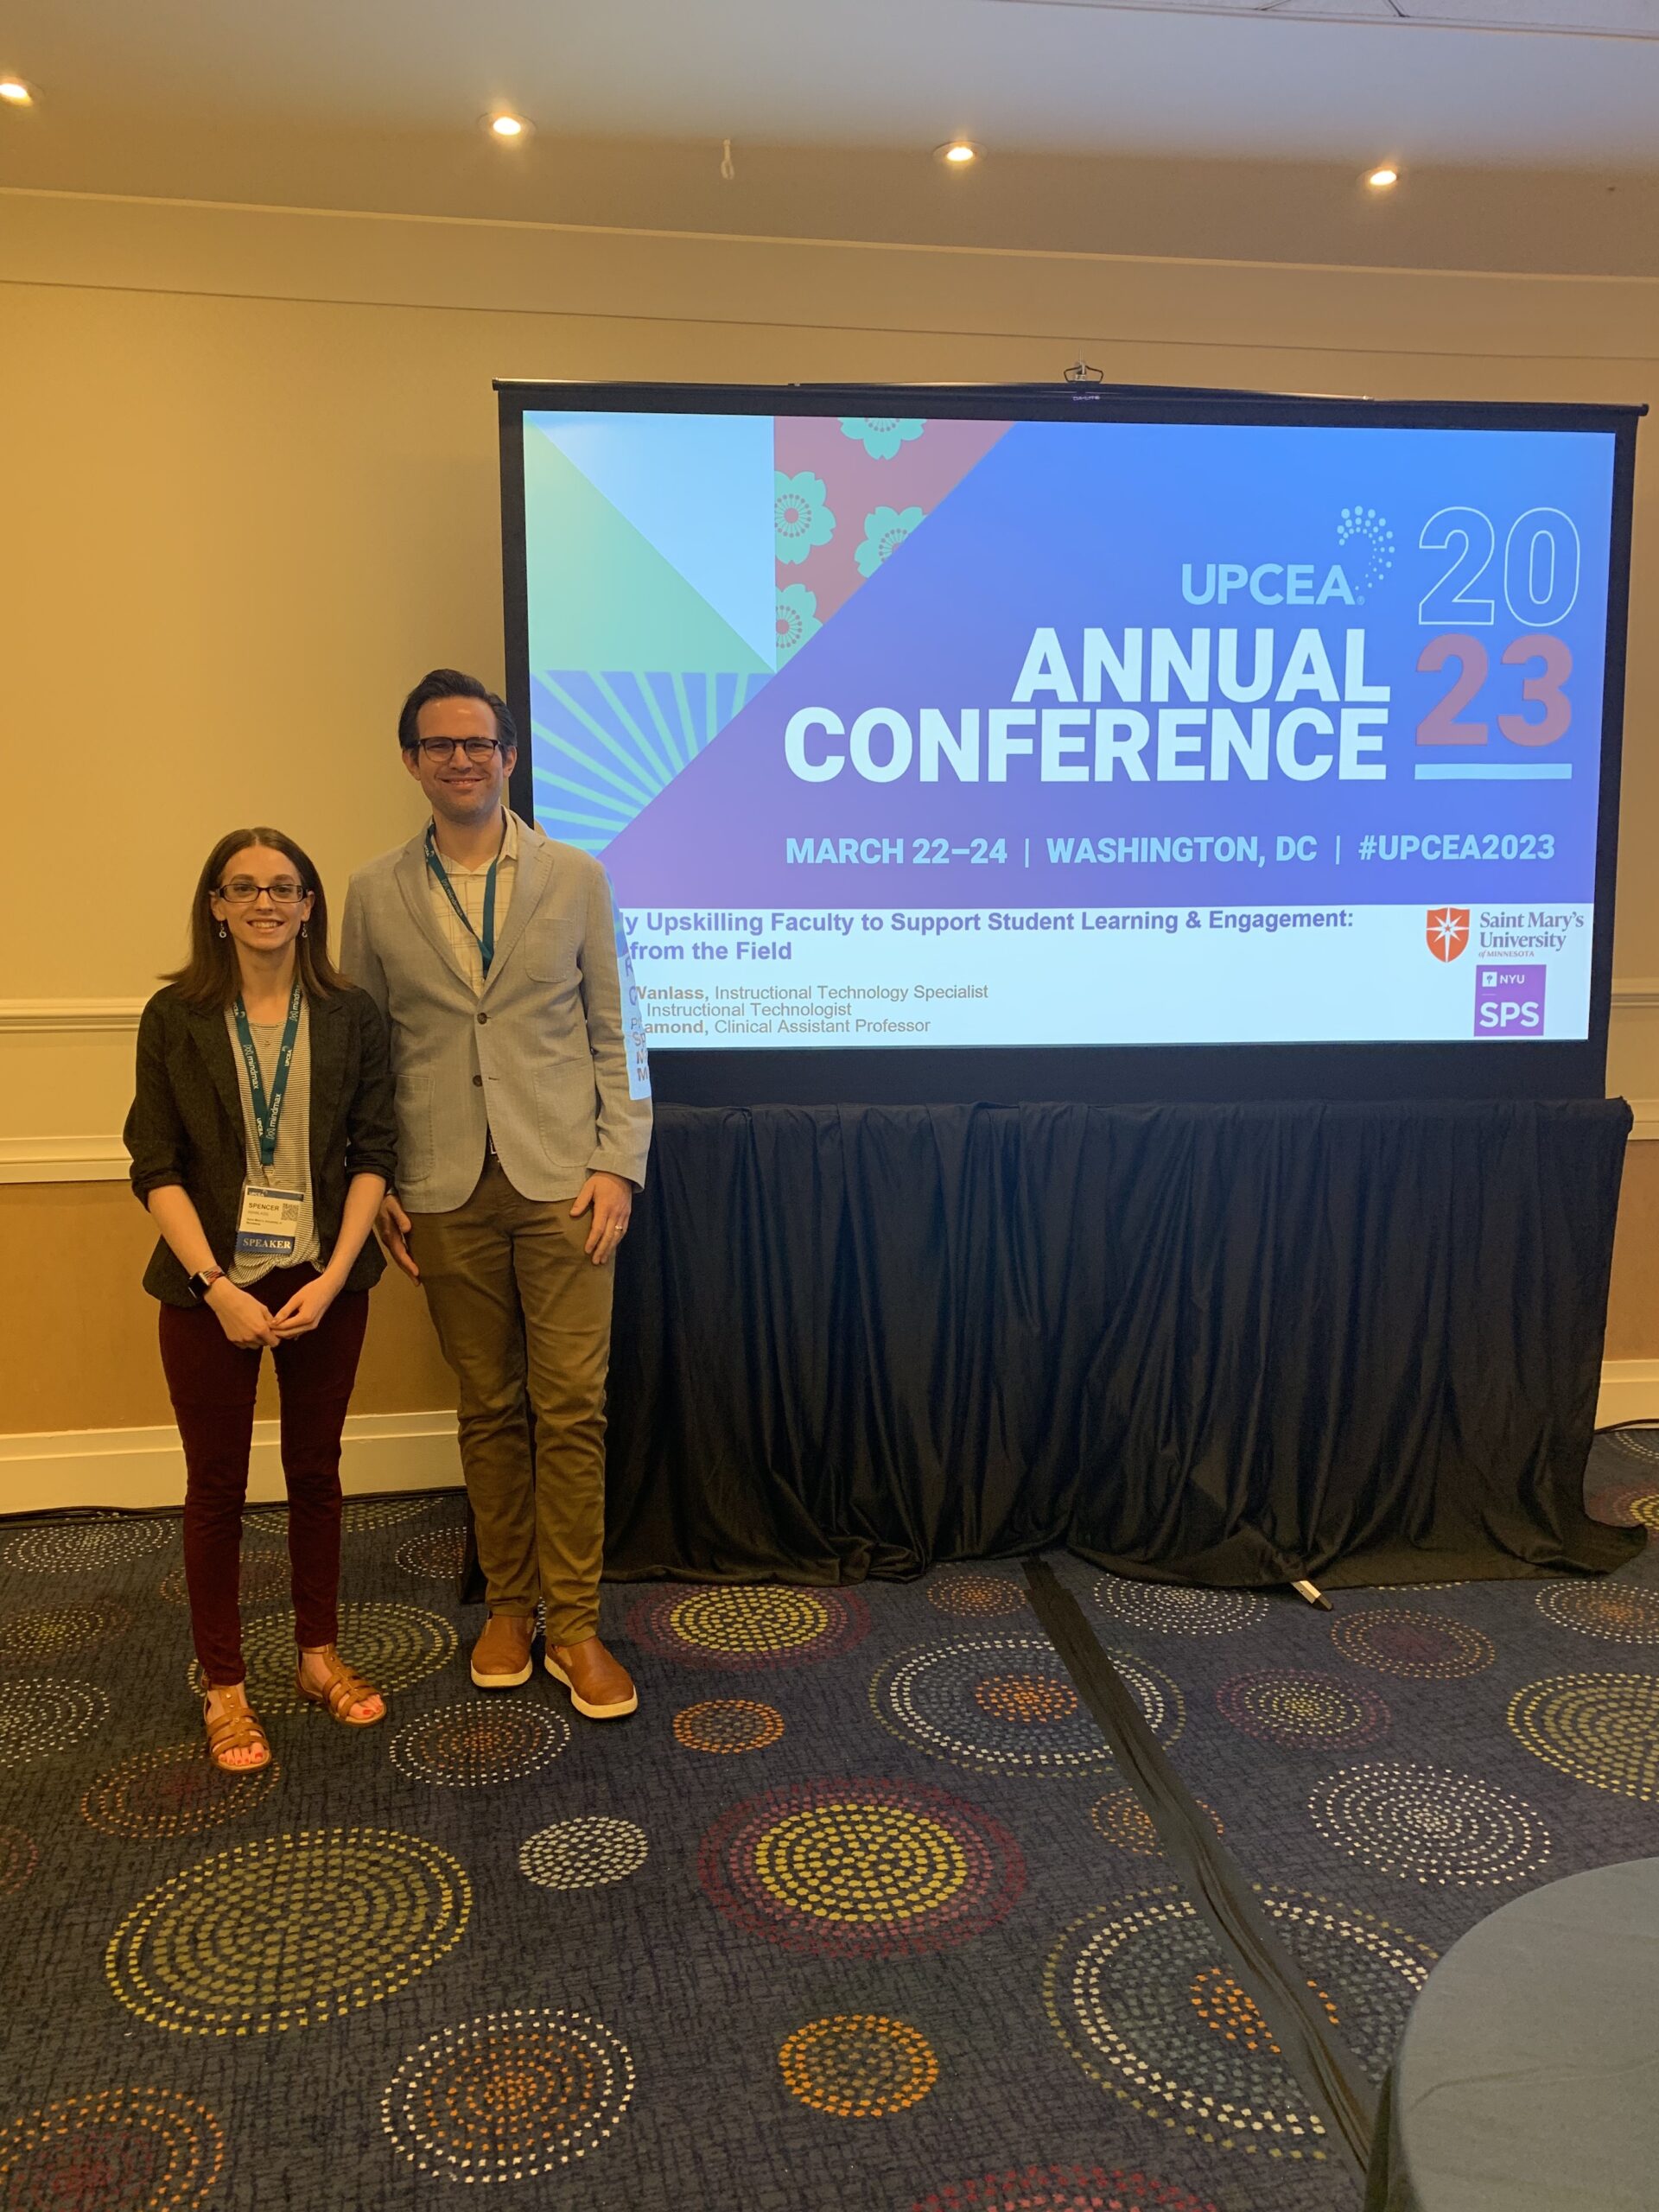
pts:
pixel 540 1061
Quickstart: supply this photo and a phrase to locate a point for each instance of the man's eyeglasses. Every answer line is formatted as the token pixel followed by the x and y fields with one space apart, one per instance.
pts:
pixel 439 749
pixel 242 891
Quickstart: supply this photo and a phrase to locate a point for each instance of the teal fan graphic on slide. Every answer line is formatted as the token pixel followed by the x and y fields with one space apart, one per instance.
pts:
pixel 607 744
pixel 654 603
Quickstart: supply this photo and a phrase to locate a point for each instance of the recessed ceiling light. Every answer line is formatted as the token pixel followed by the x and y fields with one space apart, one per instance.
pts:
pixel 506 128
pixel 14 91
pixel 959 154
pixel 1380 179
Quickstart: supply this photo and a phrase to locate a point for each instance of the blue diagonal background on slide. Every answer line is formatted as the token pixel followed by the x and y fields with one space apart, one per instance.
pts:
pixel 699 488
pixel 606 745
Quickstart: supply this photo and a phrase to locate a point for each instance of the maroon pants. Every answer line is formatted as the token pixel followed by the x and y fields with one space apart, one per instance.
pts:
pixel 213 1382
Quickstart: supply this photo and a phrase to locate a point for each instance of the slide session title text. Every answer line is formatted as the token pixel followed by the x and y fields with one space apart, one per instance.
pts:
pixel 1250 704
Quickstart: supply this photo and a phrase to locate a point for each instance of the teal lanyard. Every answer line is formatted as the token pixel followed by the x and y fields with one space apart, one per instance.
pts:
pixel 487 943
pixel 268 1112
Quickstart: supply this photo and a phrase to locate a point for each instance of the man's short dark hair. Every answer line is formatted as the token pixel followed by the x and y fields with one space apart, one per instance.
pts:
pixel 451 683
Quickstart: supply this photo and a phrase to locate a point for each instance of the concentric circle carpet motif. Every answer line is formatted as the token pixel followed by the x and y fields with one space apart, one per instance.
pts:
pixel 173 1791
pixel 858 2065
pixel 265 1527
pixel 41 1638
pixel 583 1854
pixel 392 1646
pixel 968 1595
pixel 437 1555
pixel 1422 1647
pixel 1173 1609
pixel 478 1742
pixel 86 1546
pixel 1430 1825
pixel 360 1513
pixel 727 1725
pixel 287 1931
pixel 1141 2002
pixel 746 1625
pixel 861 1869
pixel 1599 1729
pixel 139 2150
pixel 39 1717
pixel 1300 1710
pixel 1006 1705
pixel 19 1856
pixel 263 1576
pixel 508 2096
pixel 1124 1821
pixel 1065 2189
pixel 1638 1443
pixel 1629 1504
pixel 1613 1612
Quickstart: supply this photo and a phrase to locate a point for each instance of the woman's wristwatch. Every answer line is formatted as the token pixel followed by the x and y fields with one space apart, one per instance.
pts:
pixel 202 1283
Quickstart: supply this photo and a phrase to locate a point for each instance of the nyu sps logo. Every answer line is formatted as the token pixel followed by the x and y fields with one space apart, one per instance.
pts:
pixel 1301 583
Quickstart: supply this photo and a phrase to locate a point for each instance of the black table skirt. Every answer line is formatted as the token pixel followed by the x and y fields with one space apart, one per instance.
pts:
pixel 1217 1344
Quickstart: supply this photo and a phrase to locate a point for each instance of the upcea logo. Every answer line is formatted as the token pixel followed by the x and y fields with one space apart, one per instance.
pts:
pixel 1370 556
pixel 1448 931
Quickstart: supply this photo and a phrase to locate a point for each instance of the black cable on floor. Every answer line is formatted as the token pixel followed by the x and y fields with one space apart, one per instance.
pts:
pixel 1315 2054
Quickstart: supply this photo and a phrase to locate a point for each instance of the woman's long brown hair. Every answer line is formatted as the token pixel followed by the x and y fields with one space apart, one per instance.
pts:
pixel 210 978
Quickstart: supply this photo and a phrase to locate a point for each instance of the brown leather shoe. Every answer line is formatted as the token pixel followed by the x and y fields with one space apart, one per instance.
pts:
pixel 601 1688
pixel 501 1655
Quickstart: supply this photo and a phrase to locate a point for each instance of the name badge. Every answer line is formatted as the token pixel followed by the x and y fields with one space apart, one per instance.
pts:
pixel 268 1227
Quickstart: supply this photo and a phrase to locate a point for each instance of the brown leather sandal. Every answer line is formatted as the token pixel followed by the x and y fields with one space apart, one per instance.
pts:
pixel 344 1690
pixel 235 1730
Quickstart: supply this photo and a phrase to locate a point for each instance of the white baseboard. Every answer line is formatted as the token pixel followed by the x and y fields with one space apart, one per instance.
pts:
pixel 144 1467
pixel 1630 1391
pixel 138 1467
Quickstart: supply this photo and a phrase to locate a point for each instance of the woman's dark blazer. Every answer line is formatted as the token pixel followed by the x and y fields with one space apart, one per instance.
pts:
pixel 185 1123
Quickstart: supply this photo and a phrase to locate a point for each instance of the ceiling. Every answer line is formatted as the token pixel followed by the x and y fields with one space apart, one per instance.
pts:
pixel 1197 128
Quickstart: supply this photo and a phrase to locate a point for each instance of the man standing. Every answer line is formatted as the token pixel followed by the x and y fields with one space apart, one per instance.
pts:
pixel 523 1119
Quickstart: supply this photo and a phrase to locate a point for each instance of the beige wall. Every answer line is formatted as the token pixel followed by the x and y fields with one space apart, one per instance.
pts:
pixel 250 490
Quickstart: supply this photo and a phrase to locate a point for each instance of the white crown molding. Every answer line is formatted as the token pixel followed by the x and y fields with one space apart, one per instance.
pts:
pixel 144 1467
pixel 65 1017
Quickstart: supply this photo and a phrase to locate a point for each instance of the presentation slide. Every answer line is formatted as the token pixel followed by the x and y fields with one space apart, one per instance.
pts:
pixel 910 733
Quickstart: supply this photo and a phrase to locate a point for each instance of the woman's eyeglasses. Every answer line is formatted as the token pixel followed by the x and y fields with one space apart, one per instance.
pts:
pixel 438 749
pixel 242 891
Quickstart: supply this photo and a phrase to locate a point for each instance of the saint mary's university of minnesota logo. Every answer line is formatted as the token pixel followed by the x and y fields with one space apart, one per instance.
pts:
pixel 1448 931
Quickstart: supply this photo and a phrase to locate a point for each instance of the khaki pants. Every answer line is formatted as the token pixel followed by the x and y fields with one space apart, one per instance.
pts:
pixel 523 1317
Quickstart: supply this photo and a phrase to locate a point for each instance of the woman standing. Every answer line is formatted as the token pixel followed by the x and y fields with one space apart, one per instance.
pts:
pixel 261 1140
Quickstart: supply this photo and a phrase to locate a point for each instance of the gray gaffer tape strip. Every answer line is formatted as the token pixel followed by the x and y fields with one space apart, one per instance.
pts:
pixel 1316 2054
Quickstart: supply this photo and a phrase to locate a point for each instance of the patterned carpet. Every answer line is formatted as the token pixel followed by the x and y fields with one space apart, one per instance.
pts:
pixel 859 1912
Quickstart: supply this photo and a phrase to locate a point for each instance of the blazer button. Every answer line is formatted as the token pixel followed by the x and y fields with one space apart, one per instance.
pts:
pixel 483 1017
pixel 478 1082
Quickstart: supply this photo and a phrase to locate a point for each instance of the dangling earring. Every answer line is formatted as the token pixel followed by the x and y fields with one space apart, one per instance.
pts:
pixel 305 929
pixel 223 930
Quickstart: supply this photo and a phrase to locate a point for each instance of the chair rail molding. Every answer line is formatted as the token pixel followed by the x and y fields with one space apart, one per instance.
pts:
pixel 69 1017
pixel 47 1017
pixel 96 1157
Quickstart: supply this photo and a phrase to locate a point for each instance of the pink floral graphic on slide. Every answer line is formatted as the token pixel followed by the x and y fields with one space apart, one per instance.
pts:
pixel 849 478
pixel 881 435
pixel 797 620
pixel 801 519
pixel 885 531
